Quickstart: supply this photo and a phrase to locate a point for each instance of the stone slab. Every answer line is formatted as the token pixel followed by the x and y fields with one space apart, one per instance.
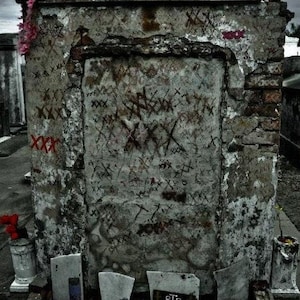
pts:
pixel 233 281
pixel 115 286
pixel 182 283
pixel 286 294
pixel 16 287
pixel 65 270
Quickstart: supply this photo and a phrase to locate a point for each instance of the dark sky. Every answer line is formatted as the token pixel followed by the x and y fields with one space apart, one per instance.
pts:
pixel 10 11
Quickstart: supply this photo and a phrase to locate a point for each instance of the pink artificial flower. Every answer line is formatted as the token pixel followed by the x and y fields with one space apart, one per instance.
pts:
pixel 21 26
pixel 31 32
pixel 30 3
pixel 23 47
pixel 27 30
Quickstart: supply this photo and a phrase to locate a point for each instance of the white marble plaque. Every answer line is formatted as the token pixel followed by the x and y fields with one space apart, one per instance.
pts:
pixel 115 286
pixel 66 275
pixel 182 283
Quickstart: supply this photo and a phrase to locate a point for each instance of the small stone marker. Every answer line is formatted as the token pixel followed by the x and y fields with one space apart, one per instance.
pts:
pixel 233 281
pixel 66 275
pixel 173 286
pixel 115 286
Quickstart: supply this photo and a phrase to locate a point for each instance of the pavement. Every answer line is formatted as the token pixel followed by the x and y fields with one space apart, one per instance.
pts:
pixel 15 197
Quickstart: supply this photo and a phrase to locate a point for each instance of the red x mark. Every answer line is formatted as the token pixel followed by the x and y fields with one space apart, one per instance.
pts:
pixel 45 141
pixel 35 142
pixel 52 144
pixel 42 143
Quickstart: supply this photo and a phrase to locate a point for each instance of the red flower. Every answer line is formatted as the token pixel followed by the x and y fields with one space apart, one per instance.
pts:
pixel 14 219
pixel 10 229
pixel 5 219
pixel 14 236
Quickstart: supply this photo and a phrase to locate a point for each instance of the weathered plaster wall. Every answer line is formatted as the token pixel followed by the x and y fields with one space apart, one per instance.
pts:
pixel 152 152
pixel 101 180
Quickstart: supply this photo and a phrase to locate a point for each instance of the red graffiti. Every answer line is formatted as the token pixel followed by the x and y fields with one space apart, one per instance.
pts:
pixel 43 143
pixel 229 35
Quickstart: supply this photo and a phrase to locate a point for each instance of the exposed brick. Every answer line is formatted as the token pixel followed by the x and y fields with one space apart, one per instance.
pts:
pixel 261 137
pixel 271 124
pixel 275 53
pixel 263 81
pixel 254 97
pixel 272 96
pixel 243 125
pixel 275 68
pixel 270 110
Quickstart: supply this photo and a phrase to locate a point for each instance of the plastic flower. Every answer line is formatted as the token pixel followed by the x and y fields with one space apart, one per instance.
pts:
pixel 30 3
pixel 27 30
pixel 12 228
pixel 6 219
pixel 23 47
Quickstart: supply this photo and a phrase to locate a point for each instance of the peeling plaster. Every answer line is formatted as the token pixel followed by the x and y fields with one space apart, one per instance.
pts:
pixel 231 113
pixel 230 158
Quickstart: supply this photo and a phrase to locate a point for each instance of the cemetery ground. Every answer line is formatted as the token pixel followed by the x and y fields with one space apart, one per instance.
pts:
pixel 15 197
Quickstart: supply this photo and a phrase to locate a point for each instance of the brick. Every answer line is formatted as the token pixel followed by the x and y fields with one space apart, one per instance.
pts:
pixel 275 68
pixel 271 124
pixel 272 96
pixel 275 53
pixel 254 97
pixel 269 110
pixel 243 125
pixel 263 81
pixel 261 137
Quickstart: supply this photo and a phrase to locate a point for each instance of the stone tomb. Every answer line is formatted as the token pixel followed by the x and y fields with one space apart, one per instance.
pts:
pixel 66 275
pixel 154 135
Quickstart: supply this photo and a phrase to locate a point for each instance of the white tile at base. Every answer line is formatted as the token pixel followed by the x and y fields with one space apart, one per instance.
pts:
pixel 183 283
pixel 62 268
pixel 115 286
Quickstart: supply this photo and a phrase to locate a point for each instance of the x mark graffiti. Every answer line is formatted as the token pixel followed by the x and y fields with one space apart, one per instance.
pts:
pixel 42 143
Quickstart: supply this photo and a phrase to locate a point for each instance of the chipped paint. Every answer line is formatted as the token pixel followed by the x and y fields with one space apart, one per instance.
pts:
pixel 231 113
pixel 230 159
